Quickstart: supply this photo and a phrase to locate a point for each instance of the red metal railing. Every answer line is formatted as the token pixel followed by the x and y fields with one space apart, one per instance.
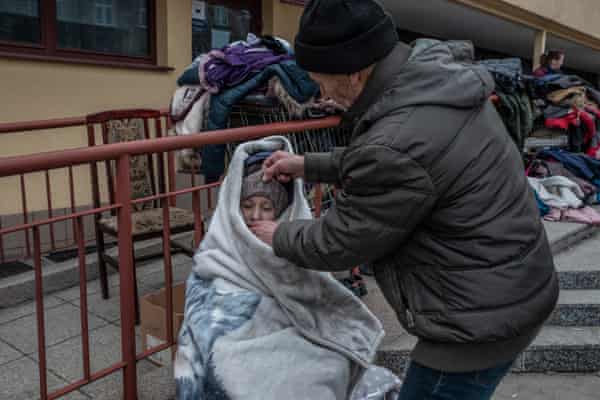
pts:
pixel 23 248
pixel 121 153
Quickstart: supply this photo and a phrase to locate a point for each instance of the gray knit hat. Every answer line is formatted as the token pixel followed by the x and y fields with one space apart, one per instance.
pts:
pixel 253 185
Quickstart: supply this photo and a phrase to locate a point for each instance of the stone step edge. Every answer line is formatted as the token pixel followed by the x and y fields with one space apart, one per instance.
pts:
pixel 536 359
pixel 575 315
pixel 567 241
pixel 579 280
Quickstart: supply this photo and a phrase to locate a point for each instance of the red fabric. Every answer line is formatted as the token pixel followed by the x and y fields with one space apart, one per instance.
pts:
pixel 594 152
pixel 590 126
pixel 565 122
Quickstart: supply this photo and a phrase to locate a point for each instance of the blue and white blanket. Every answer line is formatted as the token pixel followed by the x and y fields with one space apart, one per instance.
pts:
pixel 257 327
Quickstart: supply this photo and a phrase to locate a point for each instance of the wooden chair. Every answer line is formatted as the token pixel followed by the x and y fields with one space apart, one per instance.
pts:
pixel 147 218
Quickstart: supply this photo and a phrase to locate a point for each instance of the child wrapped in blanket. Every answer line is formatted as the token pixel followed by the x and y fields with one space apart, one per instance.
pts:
pixel 256 327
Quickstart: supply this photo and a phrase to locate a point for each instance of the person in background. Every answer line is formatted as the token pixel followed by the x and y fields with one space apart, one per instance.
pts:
pixel 550 63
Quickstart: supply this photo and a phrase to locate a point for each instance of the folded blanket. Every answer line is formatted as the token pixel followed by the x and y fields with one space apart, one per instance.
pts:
pixel 258 327
pixel 558 192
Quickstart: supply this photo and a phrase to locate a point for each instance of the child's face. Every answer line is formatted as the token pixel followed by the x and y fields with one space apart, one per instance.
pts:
pixel 257 208
pixel 557 63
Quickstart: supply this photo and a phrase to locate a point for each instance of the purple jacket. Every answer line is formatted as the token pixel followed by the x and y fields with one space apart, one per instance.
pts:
pixel 232 65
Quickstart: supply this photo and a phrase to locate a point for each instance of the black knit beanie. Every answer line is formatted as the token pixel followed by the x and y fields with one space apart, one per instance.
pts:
pixel 343 36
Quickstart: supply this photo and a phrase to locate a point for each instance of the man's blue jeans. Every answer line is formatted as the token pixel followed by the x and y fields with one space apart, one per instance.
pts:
pixel 422 383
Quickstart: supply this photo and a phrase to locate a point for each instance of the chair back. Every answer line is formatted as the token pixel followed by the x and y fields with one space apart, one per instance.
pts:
pixel 119 126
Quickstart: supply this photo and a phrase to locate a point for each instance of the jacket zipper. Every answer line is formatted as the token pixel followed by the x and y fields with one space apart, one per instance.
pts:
pixel 410 319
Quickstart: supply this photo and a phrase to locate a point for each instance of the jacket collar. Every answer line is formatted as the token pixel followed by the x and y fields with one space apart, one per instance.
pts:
pixel 383 73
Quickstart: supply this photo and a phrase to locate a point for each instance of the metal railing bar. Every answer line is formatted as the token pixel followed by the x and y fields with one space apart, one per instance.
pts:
pixel 81 383
pixel 127 278
pixel 18 228
pixel 60 159
pixel 198 222
pixel 25 214
pixel 50 214
pixel 47 124
pixel 174 194
pixel 85 339
pixel 2 256
pixel 72 198
pixel 39 302
pixel 168 267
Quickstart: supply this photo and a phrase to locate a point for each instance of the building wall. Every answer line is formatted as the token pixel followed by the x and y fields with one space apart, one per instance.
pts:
pixel 40 90
pixel 44 90
pixel 281 19
pixel 582 15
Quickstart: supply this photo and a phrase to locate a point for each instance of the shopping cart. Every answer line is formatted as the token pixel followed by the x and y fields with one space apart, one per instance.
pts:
pixel 257 110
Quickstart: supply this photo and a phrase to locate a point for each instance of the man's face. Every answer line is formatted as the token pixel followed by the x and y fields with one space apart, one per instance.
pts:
pixel 338 88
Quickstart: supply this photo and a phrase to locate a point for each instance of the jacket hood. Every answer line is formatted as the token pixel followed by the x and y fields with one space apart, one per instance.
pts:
pixel 430 73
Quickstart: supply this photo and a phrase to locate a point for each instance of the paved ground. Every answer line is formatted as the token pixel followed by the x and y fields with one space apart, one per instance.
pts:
pixel 549 387
pixel 19 377
pixel 18 349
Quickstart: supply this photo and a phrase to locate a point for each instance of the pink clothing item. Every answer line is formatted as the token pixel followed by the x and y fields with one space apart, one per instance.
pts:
pixel 585 215
pixel 554 215
pixel 541 72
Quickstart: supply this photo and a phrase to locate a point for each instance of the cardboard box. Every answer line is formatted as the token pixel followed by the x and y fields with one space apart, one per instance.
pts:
pixel 153 321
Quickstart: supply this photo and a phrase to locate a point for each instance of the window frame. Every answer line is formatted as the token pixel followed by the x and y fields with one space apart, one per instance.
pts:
pixel 47 48
pixel 254 6
pixel 295 2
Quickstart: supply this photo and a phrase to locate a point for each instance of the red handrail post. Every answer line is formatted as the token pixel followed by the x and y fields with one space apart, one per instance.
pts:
pixel 127 277
pixel 172 175
pixel 39 303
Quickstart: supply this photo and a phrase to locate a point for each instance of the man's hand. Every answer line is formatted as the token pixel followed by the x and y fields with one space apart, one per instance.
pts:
pixel 264 230
pixel 283 166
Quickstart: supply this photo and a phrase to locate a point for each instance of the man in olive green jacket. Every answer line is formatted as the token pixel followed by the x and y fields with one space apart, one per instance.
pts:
pixel 434 196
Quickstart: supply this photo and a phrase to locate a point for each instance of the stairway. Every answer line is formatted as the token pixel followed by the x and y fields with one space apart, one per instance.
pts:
pixel 570 339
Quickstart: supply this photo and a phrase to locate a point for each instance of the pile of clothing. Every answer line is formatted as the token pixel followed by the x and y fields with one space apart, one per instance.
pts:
pixel 566 184
pixel 217 81
pixel 514 104
pixel 552 110
pixel 570 105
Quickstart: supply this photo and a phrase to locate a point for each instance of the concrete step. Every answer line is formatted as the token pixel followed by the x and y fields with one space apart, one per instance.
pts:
pixel 577 308
pixel 562 235
pixel 556 349
pixel 579 266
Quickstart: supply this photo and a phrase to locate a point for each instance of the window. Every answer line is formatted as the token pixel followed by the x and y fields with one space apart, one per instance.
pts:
pixel 142 17
pixel 216 23
pixel 20 21
pixel 104 12
pixel 221 15
pixel 61 9
pixel 97 30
